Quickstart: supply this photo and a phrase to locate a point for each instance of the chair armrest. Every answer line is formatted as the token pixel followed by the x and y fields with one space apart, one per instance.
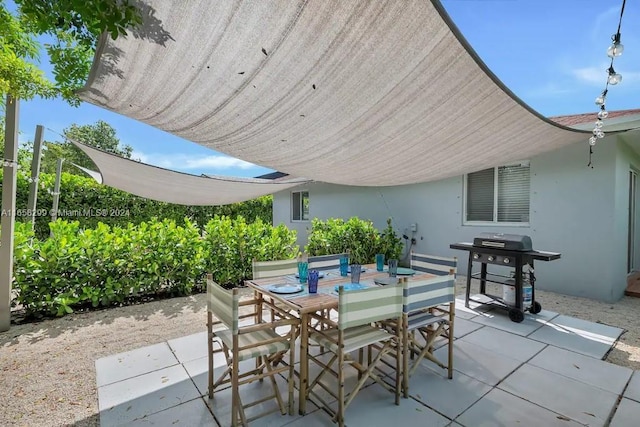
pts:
pixel 272 306
pixel 323 333
pixel 267 326
pixel 252 301
pixel 323 320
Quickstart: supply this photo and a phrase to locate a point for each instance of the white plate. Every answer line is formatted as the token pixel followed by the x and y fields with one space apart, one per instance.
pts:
pixel 285 289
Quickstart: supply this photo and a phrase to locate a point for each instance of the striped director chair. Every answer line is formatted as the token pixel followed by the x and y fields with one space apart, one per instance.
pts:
pixel 358 310
pixel 256 341
pixel 437 265
pixel 325 262
pixel 264 269
pixel 421 326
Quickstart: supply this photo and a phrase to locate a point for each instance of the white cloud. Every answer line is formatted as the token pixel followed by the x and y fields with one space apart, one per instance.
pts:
pixel 597 76
pixel 548 90
pixel 591 75
pixel 217 162
pixel 189 162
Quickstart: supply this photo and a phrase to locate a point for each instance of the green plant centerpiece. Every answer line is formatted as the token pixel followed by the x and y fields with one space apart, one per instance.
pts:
pixel 389 243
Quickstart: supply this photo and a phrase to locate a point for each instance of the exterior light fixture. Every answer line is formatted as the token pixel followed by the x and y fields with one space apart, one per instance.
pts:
pixel 616 47
pixel 614 78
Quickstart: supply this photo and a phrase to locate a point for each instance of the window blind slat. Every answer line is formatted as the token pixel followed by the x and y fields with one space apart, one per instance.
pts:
pixel 513 194
pixel 480 194
pixel 295 204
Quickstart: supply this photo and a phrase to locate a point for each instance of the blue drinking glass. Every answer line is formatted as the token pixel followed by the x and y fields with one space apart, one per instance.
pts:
pixel 313 281
pixel 380 262
pixel 344 266
pixel 303 271
pixel 393 267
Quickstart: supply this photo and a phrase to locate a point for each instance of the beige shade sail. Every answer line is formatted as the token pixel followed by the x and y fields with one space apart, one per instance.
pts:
pixel 355 92
pixel 169 186
pixel 97 176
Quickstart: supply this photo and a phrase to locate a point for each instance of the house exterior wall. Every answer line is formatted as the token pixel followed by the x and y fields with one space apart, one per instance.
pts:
pixel 627 159
pixel 578 211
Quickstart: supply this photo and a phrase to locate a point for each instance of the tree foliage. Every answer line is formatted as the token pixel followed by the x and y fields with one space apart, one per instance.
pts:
pixel 100 135
pixel 88 202
pixel 74 28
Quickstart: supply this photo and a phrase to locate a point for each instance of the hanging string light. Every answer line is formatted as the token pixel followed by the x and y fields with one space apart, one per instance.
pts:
pixel 613 78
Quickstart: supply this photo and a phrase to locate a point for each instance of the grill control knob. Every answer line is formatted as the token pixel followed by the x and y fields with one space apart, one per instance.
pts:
pixel 506 260
pixel 476 256
pixel 491 258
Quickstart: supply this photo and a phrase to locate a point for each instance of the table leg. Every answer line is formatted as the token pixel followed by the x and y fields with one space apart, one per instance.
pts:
pixel 304 362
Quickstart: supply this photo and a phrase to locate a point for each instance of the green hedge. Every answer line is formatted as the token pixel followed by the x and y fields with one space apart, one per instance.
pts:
pixel 80 195
pixel 359 237
pixel 110 265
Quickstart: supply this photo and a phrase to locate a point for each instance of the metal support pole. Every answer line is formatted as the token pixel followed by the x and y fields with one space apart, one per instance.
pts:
pixel 8 210
pixel 35 174
pixel 56 191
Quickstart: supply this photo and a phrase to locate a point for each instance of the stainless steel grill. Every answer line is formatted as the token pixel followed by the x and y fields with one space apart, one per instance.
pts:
pixel 507 250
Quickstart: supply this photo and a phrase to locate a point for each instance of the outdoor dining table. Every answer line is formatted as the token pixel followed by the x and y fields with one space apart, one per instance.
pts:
pixel 304 304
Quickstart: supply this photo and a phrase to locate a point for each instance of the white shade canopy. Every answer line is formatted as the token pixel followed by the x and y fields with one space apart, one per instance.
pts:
pixel 169 186
pixel 354 92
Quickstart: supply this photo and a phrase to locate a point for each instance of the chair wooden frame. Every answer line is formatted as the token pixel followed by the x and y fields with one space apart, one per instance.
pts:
pixel 423 314
pixel 358 310
pixel 257 341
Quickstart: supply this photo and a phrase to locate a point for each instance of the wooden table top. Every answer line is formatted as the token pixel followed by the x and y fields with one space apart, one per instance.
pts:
pixel 326 297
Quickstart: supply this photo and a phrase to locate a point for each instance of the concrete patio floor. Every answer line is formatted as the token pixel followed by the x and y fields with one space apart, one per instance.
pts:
pixel 545 371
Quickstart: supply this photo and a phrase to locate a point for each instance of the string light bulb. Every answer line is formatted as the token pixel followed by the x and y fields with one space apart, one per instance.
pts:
pixel 616 47
pixel 603 114
pixel 614 78
pixel 615 50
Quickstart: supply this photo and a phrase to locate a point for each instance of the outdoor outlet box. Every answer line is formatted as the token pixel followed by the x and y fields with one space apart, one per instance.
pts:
pixel 414 227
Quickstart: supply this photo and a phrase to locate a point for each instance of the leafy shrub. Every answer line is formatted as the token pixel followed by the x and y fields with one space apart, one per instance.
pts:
pixel 110 265
pixel 233 243
pixel 105 265
pixel 359 237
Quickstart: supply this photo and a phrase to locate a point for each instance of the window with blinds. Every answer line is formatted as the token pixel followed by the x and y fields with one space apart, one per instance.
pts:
pixel 300 206
pixel 499 195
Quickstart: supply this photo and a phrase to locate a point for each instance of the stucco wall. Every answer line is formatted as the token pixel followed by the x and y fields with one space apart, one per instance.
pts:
pixel 575 210
pixel 626 160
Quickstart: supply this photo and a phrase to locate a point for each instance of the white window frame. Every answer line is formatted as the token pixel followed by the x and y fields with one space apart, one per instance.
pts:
pixel 301 207
pixel 495 222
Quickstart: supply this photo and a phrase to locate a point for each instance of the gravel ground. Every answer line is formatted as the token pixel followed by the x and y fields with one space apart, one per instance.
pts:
pixel 48 372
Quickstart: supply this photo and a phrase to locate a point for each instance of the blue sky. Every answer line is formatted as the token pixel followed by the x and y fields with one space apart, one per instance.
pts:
pixel 549 53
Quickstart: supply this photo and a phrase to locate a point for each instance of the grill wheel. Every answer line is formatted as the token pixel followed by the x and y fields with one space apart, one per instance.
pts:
pixel 516 315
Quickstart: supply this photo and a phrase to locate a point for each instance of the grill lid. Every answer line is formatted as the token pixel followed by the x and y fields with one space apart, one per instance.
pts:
pixel 514 242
